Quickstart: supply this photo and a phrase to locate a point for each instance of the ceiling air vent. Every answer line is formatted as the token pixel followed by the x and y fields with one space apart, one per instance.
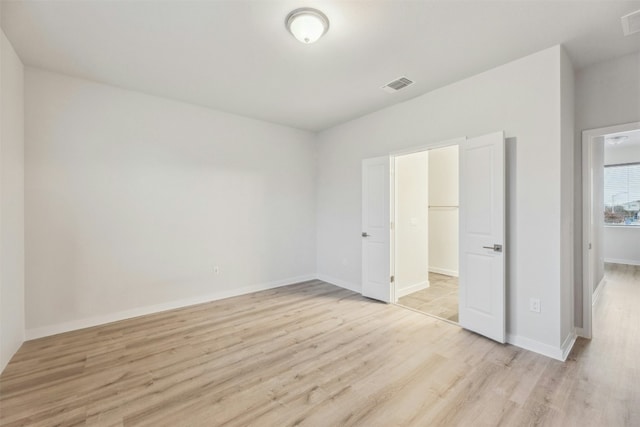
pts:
pixel 631 23
pixel 397 84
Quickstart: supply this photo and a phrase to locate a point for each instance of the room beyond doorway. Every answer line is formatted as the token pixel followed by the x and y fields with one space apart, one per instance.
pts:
pixel 609 208
pixel 426 231
pixel 440 299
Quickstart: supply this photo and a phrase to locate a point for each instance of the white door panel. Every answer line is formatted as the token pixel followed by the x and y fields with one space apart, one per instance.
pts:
pixel 376 251
pixel 482 231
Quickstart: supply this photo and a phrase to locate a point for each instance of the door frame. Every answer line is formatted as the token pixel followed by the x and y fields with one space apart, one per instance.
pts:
pixel 588 140
pixel 393 199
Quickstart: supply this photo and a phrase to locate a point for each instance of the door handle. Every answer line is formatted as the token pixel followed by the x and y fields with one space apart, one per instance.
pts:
pixel 496 247
pixel 365 234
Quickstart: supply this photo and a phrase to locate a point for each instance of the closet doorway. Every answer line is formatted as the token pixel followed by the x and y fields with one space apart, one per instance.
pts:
pixel 426 243
pixel 395 235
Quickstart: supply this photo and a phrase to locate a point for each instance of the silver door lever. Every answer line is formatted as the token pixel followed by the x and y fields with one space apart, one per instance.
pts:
pixel 365 234
pixel 496 247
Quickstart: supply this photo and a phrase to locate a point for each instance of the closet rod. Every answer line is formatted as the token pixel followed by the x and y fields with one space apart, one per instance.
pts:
pixel 444 206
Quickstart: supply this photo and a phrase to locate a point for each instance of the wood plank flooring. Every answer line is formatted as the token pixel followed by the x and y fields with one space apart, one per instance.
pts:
pixel 317 355
pixel 439 299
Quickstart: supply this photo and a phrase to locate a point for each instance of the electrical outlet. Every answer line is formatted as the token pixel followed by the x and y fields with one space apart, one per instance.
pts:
pixel 216 269
pixel 534 305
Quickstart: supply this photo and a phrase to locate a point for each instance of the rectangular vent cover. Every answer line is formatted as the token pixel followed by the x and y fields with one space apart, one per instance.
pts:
pixel 631 23
pixel 397 84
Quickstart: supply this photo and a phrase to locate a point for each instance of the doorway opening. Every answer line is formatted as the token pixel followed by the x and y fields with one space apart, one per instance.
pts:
pixel 611 210
pixel 426 231
pixel 481 232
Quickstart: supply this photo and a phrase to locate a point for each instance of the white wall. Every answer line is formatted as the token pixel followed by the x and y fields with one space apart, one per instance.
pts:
pixel 11 202
pixel 567 116
pixel 443 219
pixel 622 245
pixel 616 155
pixel 523 99
pixel 606 94
pixel 132 199
pixel 412 221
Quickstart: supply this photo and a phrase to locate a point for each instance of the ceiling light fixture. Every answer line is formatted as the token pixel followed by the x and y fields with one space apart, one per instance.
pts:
pixel 615 140
pixel 307 24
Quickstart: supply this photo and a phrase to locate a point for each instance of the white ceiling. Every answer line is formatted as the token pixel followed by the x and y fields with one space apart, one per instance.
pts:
pixel 237 56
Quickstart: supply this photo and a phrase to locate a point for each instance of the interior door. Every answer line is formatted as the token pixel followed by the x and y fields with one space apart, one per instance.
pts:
pixel 482 232
pixel 376 238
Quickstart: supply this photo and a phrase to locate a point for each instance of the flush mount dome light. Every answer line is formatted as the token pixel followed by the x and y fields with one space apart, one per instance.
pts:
pixel 617 139
pixel 307 24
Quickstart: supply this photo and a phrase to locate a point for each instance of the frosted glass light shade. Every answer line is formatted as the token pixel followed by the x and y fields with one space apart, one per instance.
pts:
pixel 307 25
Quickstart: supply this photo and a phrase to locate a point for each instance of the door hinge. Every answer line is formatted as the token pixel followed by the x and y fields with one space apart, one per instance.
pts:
pixel 393 278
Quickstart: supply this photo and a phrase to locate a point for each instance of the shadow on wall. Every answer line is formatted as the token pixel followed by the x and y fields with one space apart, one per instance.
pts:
pixel 511 150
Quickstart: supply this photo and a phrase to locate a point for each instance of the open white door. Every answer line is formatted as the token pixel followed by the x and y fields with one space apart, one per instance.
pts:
pixel 482 230
pixel 376 248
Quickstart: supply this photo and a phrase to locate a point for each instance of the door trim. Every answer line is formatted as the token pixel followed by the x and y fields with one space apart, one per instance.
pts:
pixel 428 146
pixel 588 137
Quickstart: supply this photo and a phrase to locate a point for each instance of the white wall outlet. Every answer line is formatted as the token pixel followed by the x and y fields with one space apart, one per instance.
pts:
pixel 534 305
pixel 216 269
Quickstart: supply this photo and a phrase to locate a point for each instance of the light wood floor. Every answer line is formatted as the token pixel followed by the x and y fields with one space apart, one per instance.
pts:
pixel 439 299
pixel 313 354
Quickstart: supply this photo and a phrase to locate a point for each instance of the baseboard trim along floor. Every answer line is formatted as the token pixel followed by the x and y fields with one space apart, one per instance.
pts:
pixel 89 322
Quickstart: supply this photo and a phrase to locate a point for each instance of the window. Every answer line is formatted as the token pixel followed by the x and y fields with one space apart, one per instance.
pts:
pixel 622 194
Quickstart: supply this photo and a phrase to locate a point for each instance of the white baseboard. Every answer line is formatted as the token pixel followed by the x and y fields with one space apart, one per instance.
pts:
pixel 10 354
pixel 622 261
pixel 581 333
pixel 88 322
pixel 558 353
pixel 598 291
pixel 444 271
pixel 340 283
pixel 400 292
pixel 568 343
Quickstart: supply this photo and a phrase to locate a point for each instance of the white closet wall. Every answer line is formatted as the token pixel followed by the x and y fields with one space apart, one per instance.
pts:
pixel 443 210
pixel 411 223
